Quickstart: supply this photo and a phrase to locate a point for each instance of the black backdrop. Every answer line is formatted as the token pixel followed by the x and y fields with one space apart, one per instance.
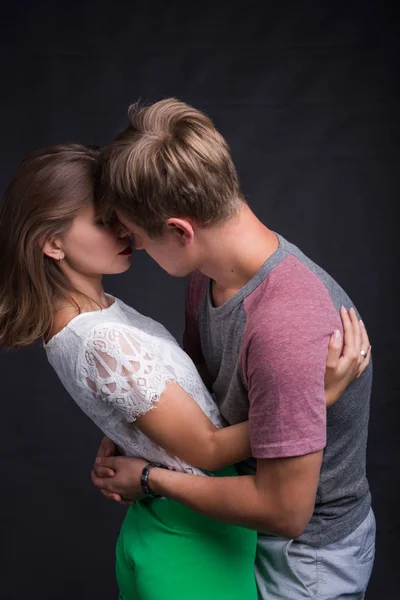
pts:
pixel 307 95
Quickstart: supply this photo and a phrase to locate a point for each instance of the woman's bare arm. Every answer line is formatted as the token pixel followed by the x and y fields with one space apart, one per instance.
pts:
pixel 178 424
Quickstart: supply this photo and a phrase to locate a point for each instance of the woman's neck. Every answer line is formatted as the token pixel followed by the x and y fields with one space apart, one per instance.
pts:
pixel 88 294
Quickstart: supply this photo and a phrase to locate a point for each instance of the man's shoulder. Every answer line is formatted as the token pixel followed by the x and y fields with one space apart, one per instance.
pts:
pixel 291 300
pixel 291 284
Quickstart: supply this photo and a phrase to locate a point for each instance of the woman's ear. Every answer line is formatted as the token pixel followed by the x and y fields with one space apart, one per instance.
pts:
pixel 52 247
pixel 183 229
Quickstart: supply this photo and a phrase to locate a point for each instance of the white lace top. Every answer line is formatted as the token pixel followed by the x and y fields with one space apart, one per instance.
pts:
pixel 115 364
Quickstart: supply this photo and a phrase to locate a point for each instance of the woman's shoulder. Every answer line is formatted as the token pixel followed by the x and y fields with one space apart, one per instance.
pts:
pixel 71 322
pixel 61 320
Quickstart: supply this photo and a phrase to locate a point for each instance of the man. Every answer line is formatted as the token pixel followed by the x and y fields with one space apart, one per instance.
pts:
pixel 258 318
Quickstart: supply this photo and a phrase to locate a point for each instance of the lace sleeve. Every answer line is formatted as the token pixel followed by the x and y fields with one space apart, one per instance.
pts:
pixel 122 371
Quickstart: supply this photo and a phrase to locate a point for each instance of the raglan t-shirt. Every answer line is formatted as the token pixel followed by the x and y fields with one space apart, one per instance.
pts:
pixel 265 349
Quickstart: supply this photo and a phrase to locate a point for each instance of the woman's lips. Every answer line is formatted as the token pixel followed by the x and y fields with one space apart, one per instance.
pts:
pixel 127 250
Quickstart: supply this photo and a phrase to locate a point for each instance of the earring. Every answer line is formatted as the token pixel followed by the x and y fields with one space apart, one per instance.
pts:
pixel 60 258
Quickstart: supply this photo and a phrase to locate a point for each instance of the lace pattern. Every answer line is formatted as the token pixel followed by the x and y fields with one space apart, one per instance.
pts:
pixel 122 372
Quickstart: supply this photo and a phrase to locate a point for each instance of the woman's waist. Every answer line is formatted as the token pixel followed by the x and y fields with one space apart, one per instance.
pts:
pixel 167 515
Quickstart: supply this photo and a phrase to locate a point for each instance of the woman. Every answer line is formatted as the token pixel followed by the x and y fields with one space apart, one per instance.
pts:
pixel 119 365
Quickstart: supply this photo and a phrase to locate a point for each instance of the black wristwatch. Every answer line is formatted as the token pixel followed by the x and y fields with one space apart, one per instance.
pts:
pixel 144 479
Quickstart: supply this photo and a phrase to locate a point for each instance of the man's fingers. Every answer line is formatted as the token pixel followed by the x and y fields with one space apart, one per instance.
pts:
pixel 106 448
pixel 102 483
pixel 109 450
pixel 100 469
pixel 108 462
pixel 111 496
pixel 103 471
pixel 117 498
pixel 334 350
pixel 126 502
pixel 102 447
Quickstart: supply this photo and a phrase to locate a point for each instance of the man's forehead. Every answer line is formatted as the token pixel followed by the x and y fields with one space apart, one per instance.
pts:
pixel 129 224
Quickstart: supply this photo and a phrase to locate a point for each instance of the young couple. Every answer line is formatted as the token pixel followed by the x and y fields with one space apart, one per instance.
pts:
pixel 266 372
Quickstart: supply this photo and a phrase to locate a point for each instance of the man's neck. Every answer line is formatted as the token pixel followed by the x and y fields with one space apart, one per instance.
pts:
pixel 235 251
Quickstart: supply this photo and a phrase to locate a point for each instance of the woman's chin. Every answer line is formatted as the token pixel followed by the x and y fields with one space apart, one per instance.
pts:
pixel 121 268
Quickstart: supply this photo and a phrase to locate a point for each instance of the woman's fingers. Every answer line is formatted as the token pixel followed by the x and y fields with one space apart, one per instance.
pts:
pixel 366 348
pixel 356 330
pixel 349 350
pixel 365 345
pixel 356 350
pixel 334 350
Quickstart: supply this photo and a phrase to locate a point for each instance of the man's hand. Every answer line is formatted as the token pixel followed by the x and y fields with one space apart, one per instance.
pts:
pixel 345 362
pixel 118 478
pixel 107 448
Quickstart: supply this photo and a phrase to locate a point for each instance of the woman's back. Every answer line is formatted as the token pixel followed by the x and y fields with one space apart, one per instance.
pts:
pixel 115 363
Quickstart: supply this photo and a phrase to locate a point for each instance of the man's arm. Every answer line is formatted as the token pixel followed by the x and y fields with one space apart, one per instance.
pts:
pixel 279 499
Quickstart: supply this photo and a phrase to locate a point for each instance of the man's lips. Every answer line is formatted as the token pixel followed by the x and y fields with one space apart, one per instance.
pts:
pixel 127 250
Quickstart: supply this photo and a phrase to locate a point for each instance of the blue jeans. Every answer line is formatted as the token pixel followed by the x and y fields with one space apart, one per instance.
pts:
pixel 289 570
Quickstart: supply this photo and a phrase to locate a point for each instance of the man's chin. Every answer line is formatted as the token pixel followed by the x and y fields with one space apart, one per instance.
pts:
pixel 181 273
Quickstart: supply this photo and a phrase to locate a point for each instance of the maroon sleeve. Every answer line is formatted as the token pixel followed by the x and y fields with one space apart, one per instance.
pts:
pixel 191 337
pixel 283 362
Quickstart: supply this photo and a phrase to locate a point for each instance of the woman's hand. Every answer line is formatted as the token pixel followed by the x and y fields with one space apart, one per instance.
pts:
pixel 346 360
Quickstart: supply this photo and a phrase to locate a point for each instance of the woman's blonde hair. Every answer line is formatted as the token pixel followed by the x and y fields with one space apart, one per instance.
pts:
pixel 46 192
pixel 169 162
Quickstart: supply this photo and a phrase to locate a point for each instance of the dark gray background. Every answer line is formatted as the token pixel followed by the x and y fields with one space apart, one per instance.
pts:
pixel 307 95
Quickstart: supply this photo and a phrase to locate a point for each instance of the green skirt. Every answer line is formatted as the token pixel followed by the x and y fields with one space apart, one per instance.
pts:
pixel 165 551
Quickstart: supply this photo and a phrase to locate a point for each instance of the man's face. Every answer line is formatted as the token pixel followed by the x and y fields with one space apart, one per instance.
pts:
pixel 176 258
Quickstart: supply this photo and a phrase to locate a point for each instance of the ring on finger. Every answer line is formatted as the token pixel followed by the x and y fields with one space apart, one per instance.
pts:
pixel 363 353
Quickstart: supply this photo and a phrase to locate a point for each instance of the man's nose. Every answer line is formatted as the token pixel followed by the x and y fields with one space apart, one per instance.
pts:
pixel 137 242
pixel 121 230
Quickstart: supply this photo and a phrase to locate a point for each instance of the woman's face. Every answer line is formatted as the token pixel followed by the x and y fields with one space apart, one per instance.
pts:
pixel 92 248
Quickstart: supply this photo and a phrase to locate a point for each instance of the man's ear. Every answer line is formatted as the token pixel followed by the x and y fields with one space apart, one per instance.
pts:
pixel 52 247
pixel 183 228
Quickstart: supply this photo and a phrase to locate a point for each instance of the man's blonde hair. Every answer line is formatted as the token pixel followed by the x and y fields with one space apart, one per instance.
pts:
pixel 169 162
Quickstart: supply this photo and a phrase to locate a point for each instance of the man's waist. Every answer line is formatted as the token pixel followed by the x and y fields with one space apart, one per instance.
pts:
pixel 334 521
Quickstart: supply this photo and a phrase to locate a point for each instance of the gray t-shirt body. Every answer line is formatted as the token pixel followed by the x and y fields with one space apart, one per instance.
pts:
pixel 266 349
